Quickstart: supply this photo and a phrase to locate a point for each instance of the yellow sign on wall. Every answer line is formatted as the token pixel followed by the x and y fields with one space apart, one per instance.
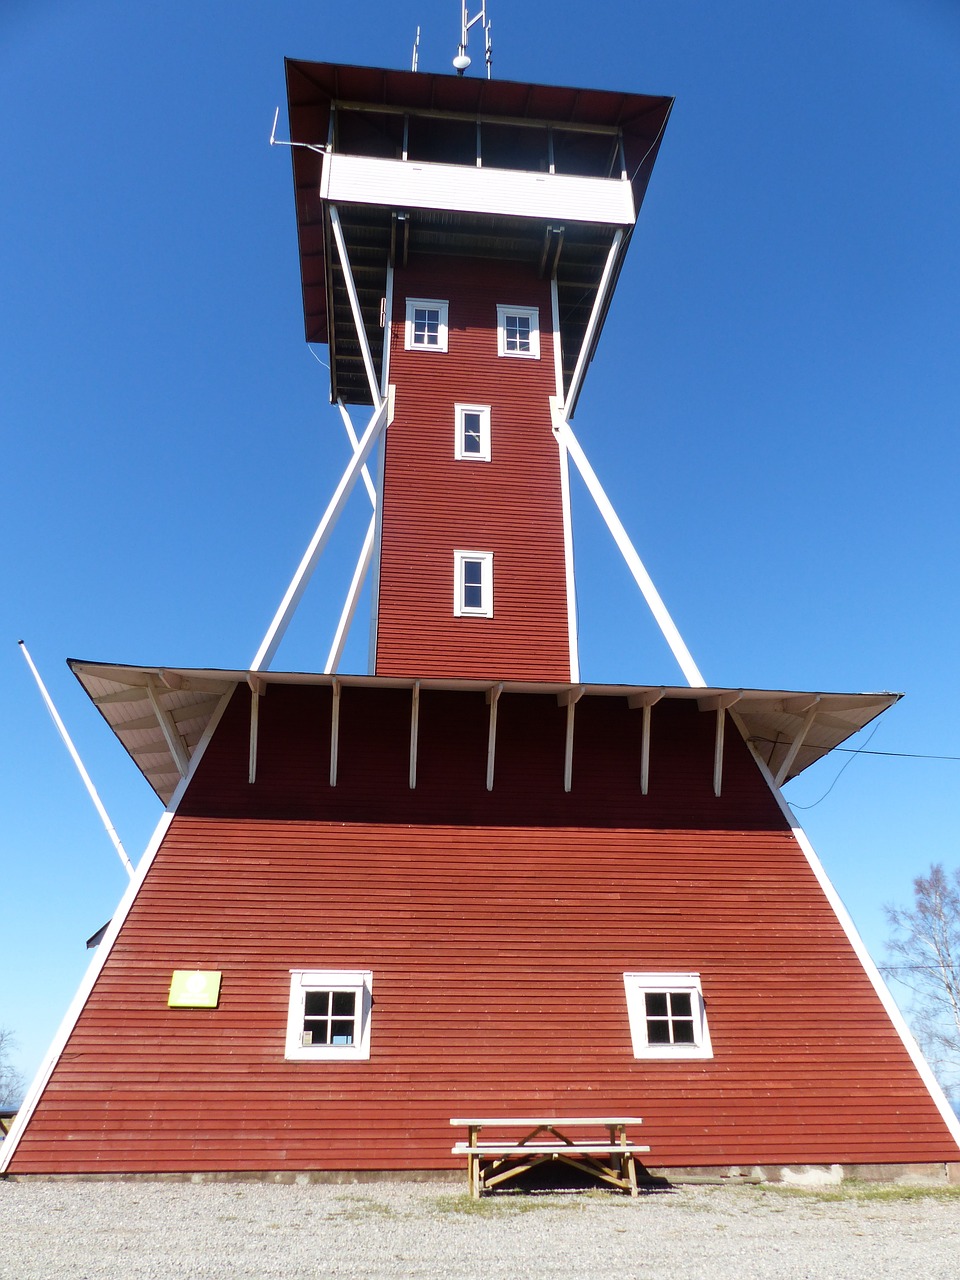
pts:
pixel 194 989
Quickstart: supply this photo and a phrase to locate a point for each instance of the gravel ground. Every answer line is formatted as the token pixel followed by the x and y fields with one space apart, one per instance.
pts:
pixel 140 1230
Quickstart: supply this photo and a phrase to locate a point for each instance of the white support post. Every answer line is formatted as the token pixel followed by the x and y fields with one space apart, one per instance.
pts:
pixel 168 728
pixel 351 287
pixel 798 741
pixel 298 585
pixel 381 457
pixel 643 580
pixel 569 699
pixel 334 732
pixel 350 604
pixel 719 704
pixel 593 325
pixel 493 698
pixel 414 732
pixel 645 702
pixel 75 757
pixel 257 689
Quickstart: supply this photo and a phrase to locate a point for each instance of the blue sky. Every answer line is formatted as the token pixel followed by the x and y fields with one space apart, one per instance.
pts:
pixel 773 410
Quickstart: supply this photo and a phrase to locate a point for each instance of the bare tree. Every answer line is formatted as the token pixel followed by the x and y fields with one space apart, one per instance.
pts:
pixel 925 951
pixel 11 1081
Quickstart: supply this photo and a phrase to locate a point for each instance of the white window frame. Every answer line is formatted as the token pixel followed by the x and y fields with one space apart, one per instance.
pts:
pixel 302 981
pixel 533 315
pixel 408 331
pixel 460 608
pixel 638 986
pixel 460 448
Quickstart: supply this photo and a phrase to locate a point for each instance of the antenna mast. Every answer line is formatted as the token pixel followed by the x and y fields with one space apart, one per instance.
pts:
pixel 416 52
pixel 463 59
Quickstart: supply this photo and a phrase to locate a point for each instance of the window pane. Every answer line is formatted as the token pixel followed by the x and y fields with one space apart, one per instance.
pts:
pixel 471 433
pixel 680 1004
pixel 344 1004
pixel 426 326
pixel 517 333
pixel 317 1004
pixel 683 1033
pixel 472 584
pixel 658 1032
pixel 342 1032
pixel 317 1033
pixel 656 1004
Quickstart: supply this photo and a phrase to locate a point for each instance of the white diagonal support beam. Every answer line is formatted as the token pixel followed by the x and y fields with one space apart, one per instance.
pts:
pixel 354 441
pixel 797 742
pixel 643 580
pixel 350 604
pixel 170 732
pixel 288 605
pixel 593 325
pixel 351 287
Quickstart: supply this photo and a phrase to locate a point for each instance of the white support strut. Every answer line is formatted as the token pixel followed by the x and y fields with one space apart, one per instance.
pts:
pixel 681 653
pixel 493 698
pixel 351 287
pixel 414 732
pixel 75 757
pixel 350 604
pixel 593 325
pixel 288 605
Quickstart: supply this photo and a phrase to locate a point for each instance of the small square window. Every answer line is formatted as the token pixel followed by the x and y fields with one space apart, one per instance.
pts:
pixel 329 1014
pixel 472 440
pixel 473 584
pixel 668 1017
pixel 426 325
pixel 518 332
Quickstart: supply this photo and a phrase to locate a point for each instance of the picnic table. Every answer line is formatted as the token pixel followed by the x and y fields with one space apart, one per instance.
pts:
pixel 491 1162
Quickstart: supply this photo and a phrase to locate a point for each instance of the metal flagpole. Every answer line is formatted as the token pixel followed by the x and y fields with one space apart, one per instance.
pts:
pixel 87 782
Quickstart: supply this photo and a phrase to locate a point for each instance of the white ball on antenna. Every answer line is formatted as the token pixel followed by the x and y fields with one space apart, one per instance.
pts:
pixel 461 62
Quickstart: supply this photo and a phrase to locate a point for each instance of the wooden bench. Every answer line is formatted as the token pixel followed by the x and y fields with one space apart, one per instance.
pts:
pixel 492 1162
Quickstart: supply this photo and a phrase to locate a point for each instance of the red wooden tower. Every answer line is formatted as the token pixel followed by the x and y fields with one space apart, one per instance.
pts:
pixel 468 882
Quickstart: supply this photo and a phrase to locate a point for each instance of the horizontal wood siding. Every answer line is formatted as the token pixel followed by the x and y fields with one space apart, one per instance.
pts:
pixel 434 504
pixel 497 949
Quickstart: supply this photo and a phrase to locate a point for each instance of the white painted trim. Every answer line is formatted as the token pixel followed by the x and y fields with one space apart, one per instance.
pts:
pixel 352 295
pixel 387 391
pixel 358 981
pixel 443 327
pixel 460 452
pixel 718 751
pixel 569 568
pixel 557 343
pixel 593 325
pixel 353 597
pixel 533 315
pixel 460 560
pixel 637 985
pixel 564 431
pixel 64 1031
pixel 288 605
pixel 891 1008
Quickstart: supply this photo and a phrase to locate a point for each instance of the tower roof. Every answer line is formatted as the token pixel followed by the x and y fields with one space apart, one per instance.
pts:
pixel 564 221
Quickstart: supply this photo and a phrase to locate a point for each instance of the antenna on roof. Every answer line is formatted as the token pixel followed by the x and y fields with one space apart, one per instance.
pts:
pixel 416 52
pixel 463 59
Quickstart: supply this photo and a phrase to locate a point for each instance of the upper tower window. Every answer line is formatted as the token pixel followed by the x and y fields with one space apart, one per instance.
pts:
pixel 472 440
pixel 473 584
pixel 426 326
pixel 518 331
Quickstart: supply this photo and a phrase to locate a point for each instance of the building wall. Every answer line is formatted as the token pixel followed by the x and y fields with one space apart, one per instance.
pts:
pixel 497 948
pixel 434 504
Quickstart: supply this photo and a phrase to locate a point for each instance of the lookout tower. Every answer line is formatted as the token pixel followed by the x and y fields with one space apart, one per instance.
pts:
pixel 465 883
pixel 460 240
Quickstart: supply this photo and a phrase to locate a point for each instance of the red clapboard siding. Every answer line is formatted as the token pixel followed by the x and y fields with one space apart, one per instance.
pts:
pixel 497 949
pixel 434 504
